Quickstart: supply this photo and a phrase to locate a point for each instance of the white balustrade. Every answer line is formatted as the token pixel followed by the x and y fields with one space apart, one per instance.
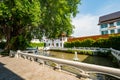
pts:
pixel 115 53
pixel 86 68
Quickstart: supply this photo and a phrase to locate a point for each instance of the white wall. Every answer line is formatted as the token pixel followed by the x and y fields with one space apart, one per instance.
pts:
pixel 55 42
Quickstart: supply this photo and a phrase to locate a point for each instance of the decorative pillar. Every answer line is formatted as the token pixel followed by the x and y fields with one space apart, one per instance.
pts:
pixel 25 57
pixel 32 59
pixel 17 54
pixel 84 74
pixel 57 66
pixel 41 62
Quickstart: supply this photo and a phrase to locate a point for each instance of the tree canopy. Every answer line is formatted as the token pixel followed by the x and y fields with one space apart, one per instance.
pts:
pixel 56 16
pixel 21 20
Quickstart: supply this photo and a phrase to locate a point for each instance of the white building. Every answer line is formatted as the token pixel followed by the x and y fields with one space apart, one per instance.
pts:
pixel 110 24
pixel 35 41
pixel 59 42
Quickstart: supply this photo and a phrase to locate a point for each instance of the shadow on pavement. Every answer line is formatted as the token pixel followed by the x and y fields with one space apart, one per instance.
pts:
pixel 6 74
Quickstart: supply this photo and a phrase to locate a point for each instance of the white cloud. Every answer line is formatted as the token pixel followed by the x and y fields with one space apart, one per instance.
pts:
pixel 85 25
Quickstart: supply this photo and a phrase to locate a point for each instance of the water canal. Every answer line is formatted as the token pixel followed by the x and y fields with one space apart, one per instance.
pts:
pixel 103 61
pixel 98 60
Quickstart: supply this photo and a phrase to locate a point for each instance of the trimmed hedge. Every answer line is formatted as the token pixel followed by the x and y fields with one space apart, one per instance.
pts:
pixel 113 41
pixel 84 43
pixel 36 44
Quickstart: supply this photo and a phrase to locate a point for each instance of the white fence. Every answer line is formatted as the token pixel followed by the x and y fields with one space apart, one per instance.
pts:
pixel 83 67
pixel 116 54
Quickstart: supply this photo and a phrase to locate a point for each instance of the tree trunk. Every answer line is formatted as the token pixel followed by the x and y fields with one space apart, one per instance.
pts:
pixel 8 39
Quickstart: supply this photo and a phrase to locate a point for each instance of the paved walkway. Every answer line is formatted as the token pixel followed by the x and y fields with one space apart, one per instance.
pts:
pixel 20 69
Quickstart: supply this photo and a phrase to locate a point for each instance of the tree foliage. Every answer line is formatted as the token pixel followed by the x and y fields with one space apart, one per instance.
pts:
pixel 28 19
pixel 17 17
pixel 56 16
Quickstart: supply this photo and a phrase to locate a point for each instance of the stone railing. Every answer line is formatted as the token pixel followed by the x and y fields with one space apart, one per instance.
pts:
pixel 92 49
pixel 115 53
pixel 84 68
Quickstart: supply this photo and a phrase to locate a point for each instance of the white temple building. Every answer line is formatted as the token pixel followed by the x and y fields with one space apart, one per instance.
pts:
pixel 59 42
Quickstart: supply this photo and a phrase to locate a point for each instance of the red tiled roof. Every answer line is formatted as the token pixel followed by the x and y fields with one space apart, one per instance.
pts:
pixel 89 37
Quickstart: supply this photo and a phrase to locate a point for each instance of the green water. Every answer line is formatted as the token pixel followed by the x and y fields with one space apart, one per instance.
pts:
pixel 104 61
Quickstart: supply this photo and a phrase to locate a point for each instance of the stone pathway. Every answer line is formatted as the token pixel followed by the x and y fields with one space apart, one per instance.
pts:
pixel 20 69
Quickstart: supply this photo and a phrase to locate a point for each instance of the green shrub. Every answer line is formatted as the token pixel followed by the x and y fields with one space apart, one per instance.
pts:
pixel 2 45
pixel 113 41
pixel 102 43
pixel 87 43
pixel 87 52
pixel 19 42
pixel 67 44
pixel 36 44
pixel 4 53
pixel 70 51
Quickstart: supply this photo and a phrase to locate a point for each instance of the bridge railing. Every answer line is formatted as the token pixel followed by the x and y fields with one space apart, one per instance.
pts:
pixel 81 48
pixel 84 67
pixel 115 53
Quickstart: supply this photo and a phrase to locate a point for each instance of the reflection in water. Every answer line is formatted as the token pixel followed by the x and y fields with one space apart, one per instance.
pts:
pixel 102 77
pixel 62 56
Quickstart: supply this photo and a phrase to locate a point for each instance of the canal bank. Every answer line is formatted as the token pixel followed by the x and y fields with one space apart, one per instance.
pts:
pixel 95 51
pixel 99 56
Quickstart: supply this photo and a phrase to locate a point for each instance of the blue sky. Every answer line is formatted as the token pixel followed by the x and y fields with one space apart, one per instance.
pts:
pixel 89 12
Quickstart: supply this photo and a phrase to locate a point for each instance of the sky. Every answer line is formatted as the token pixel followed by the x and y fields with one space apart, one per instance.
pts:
pixel 86 21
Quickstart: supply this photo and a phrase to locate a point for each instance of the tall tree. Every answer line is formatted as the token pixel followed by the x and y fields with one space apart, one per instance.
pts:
pixel 56 17
pixel 20 20
pixel 16 18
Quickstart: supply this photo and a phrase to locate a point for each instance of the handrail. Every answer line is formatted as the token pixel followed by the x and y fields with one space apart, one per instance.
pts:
pixel 85 66
pixel 115 53
pixel 93 49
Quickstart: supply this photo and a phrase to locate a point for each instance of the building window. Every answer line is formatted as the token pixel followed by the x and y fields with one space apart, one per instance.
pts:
pixel 61 44
pixel 112 31
pixel 57 44
pixel 118 30
pixel 60 39
pixel 111 24
pixel 104 32
pixel 118 23
pixel 103 25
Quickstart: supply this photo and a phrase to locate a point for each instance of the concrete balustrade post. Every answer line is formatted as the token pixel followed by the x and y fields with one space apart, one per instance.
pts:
pixel 84 74
pixel 28 58
pixel 25 57
pixel 32 59
pixel 57 66
pixel 17 55
pixel 10 53
pixel 41 62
